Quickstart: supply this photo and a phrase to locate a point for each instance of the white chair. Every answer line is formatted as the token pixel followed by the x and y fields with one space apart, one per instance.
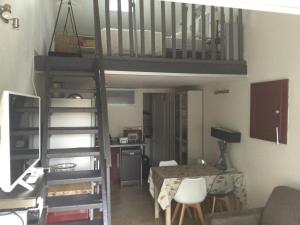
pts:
pixel 161 163
pixel 168 163
pixel 190 194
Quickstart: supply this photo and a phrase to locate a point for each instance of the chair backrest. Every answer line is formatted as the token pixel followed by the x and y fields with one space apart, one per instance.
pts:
pixel 168 163
pixel 191 191
pixel 283 207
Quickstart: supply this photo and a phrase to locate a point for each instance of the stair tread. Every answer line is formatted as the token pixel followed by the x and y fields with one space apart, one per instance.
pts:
pixel 73 202
pixel 72 130
pixel 71 73
pixel 73 177
pixel 72 109
pixel 72 90
pixel 72 152
pixel 84 222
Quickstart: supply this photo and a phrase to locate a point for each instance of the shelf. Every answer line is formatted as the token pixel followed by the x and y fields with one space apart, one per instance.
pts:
pixel 25 154
pixel 70 90
pixel 25 131
pixel 71 110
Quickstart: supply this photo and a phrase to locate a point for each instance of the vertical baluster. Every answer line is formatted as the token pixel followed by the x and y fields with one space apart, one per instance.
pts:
pixel 173 12
pixel 203 20
pixel 184 29
pixel 231 54
pixel 130 23
pixel 222 37
pixel 142 27
pixel 193 31
pixel 163 28
pixel 152 5
pixel 241 35
pixel 107 21
pixel 213 33
pixel 120 31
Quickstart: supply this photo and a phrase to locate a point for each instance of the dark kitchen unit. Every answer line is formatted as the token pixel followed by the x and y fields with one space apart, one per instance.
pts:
pixel 126 163
pixel 131 165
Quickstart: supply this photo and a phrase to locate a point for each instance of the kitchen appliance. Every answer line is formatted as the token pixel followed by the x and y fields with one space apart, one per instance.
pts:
pixel 123 140
pixel 134 134
pixel 131 166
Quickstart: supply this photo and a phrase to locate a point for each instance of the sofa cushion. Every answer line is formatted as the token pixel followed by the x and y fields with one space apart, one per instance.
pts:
pixel 282 208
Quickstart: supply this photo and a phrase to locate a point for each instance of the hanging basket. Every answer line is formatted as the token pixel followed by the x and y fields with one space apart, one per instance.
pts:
pixel 66 43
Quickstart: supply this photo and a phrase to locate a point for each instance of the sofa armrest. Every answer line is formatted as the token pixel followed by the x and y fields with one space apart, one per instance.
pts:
pixel 243 217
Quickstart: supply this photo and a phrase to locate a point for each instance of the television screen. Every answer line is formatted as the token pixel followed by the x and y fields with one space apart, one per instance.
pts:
pixel 20 137
pixel 24 139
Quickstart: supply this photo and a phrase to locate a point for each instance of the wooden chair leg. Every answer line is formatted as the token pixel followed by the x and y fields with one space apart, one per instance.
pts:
pixel 200 213
pixel 182 214
pixel 214 204
pixel 175 212
pixel 195 213
pixel 189 212
pixel 227 203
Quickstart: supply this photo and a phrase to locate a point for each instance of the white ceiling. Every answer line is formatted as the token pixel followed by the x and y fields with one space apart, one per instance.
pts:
pixel 131 80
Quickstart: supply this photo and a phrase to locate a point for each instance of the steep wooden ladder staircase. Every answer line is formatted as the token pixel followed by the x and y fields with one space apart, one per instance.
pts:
pixel 70 67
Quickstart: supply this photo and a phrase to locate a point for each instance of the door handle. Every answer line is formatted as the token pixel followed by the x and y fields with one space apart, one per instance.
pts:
pixel 118 160
pixel 277 136
pixel 277 112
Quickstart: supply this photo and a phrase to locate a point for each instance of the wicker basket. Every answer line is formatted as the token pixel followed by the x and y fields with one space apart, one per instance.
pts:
pixel 66 43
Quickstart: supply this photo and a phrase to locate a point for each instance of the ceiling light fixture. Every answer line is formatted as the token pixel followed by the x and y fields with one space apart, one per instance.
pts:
pixel 277 6
pixel 5 12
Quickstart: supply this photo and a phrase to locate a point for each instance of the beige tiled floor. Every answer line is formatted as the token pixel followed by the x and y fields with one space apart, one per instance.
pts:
pixel 133 205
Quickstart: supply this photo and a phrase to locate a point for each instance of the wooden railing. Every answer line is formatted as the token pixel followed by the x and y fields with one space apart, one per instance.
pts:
pixel 177 30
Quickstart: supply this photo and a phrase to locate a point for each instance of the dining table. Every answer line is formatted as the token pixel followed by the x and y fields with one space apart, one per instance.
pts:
pixel 167 180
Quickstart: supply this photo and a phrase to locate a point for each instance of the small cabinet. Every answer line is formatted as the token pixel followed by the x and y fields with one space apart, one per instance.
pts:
pixel 188 126
pixel 269 111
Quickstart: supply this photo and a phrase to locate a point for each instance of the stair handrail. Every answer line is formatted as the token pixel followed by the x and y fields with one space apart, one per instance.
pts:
pixel 102 117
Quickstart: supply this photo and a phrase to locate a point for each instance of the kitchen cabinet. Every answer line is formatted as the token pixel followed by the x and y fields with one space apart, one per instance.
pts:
pixel 115 168
pixel 188 126
pixel 269 111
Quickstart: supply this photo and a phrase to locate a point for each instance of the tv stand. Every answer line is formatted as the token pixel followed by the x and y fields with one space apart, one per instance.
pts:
pixel 19 198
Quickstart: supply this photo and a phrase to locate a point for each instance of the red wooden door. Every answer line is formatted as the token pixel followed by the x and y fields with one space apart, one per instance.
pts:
pixel 269 111
pixel 115 168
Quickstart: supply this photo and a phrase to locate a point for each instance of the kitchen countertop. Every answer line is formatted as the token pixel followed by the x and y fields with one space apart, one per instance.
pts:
pixel 118 145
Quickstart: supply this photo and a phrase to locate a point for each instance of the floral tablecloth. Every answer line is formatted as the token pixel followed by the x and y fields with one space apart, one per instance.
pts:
pixel 168 179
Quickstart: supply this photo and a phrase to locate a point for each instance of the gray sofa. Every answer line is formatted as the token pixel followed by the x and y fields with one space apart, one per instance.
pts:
pixel 282 208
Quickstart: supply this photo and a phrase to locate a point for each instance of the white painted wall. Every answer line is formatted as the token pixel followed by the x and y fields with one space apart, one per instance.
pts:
pixel 272 51
pixel 195 124
pixel 17 46
pixel 121 116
